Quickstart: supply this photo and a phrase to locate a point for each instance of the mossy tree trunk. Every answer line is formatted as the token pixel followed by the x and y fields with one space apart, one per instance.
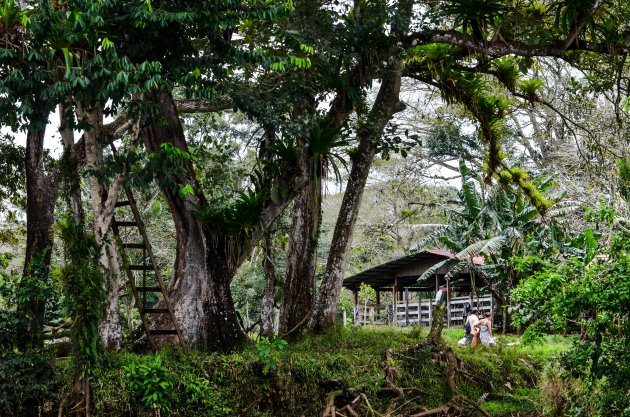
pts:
pixel 271 278
pixel 103 199
pixel 41 194
pixel 299 285
pixel 189 288
pixel 386 105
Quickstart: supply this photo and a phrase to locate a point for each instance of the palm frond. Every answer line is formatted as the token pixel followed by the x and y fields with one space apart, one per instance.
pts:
pixel 457 269
pixel 432 237
pixel 482 247
pixel 469 191
pixel 450 243
pixel 528 214
pixel 432 270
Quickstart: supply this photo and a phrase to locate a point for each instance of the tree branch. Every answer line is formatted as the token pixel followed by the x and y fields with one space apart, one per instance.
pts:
pixel 502 48
pixel 204 106
pixel 579 26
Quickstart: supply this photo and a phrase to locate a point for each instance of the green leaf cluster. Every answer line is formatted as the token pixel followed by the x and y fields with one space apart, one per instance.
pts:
pixel 150 382
pixel 81 280
pixel 594 296
pixel 269 353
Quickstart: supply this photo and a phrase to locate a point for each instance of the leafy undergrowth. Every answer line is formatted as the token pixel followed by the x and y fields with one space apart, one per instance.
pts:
pixel 272 379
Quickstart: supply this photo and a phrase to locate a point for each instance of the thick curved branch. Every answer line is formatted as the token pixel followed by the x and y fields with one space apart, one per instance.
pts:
pixel 502 48
pixel 204 106
pixel 115 129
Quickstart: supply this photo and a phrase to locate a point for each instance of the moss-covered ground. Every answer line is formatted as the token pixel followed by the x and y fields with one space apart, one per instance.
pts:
pixel 296 379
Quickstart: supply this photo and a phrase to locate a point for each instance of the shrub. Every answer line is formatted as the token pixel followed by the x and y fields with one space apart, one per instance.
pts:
pixel 27 384
pixel 149 381
pixel 268 353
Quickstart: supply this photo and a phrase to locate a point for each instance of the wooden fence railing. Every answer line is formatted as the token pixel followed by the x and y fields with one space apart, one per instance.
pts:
pixel 417 313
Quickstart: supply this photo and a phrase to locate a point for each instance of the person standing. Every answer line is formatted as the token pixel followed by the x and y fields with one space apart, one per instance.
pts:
pixel 470 327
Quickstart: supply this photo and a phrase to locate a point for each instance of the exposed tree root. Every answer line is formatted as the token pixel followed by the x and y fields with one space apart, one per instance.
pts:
pixel 442 356
pixel 80 396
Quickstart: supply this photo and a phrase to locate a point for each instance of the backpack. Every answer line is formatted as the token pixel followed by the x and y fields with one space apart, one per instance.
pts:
pixel 467 328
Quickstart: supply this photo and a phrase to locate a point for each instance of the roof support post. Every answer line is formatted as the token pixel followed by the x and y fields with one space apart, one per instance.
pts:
pixel 406 306
pixel 419 310
pixel 448 302
pixel 395 301
pixel 355 310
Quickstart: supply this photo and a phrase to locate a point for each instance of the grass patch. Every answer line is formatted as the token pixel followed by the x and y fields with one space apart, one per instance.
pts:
pixel 306 372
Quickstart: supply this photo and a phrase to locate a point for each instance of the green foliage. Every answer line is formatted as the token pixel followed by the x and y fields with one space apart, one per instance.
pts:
pixel 268 352
pixel 595 296
pixel 321 145
pixel 169 166
pixel 507 71
pixel 203 384
pixel 367 294
pixel 26 383
pixel 150 382
pixel 499 223
pixel 20 327
pixel 12 177
pixel 446 139
pixel 82 282
pixel 529 87
pixel 346 303
pixel 10 15
pixel 472 14
pixel 623 165
pixel 238 217
pixel 568 12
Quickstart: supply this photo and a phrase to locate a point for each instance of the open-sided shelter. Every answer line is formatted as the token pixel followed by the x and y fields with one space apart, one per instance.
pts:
pixel 412 299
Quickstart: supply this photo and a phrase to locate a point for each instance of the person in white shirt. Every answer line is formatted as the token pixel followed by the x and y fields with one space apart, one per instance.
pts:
pixel 471 326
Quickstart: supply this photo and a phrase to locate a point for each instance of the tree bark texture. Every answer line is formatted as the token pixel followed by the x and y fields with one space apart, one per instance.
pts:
pixel 268 301
pixel 386 105
pixel 40 206
pixel 103 200
pixel 70 169
pixel 299 285
pixel 189 288
pixel 206 256
pixel 225 332
pixel 298 296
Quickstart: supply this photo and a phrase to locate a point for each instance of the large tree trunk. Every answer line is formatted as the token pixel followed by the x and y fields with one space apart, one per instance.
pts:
pixel 269 298
pixel 206 257
pixel 299 285
pixel 386 105
pixel 70 168
pixel 103 200
pixel 225 332
pixel 40 206
pixel 189 288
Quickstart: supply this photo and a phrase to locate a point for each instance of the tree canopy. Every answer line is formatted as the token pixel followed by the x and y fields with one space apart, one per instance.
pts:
pixel 231 118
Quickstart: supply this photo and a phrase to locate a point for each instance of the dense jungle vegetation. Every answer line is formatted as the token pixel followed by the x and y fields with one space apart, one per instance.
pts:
pixel 185 185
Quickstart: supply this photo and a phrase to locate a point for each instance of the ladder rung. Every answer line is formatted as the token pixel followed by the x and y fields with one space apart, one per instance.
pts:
pixel 155 310
pixel 133 245
pixel 125 224
pixel 159 332
pixel 140 267
pixel 122 204
pixel 149 289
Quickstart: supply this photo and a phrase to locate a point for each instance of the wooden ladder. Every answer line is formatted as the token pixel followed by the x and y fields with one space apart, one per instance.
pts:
pixel 147 264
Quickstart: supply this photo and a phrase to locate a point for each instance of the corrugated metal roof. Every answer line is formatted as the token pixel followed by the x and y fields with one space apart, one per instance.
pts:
pixel 381 275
